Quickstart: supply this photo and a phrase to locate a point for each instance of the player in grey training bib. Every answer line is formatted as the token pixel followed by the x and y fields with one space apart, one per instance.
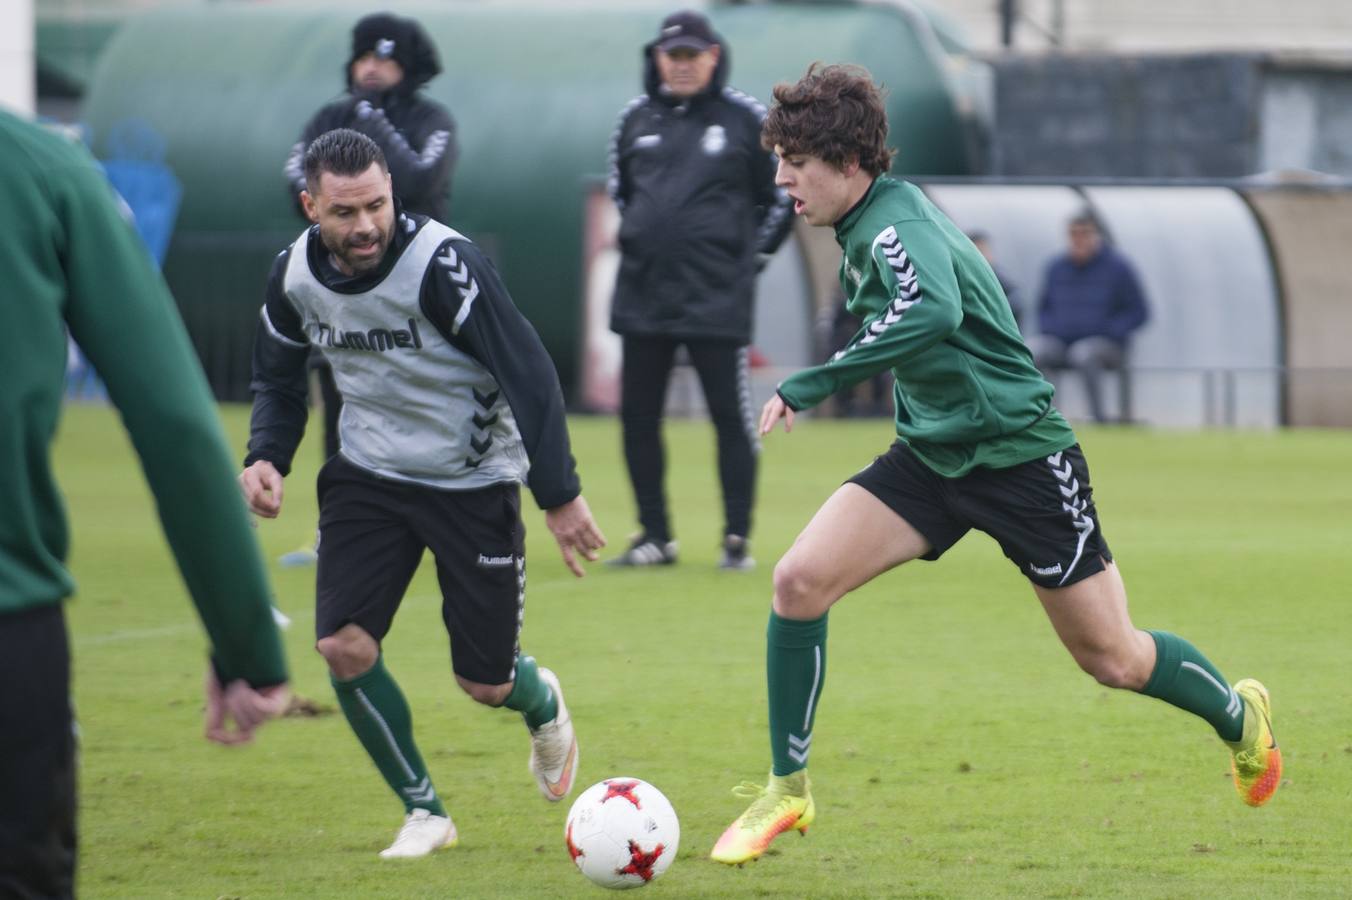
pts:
pixel 450 403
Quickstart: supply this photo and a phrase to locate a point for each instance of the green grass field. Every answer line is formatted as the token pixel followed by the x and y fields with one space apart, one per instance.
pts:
pixel 959 751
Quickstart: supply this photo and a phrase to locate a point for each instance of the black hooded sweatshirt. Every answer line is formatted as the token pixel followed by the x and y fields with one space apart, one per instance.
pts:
pixel 698 206
pixel 417 135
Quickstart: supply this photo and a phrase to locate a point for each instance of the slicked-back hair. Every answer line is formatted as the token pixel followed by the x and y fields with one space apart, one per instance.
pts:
pixel 834 113
pixel 341 151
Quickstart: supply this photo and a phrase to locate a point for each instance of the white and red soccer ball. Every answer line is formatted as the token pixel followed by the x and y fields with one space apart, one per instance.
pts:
pixel 622 833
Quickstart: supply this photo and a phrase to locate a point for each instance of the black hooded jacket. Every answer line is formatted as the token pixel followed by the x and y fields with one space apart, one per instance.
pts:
pixel 417 135
pixel 698 206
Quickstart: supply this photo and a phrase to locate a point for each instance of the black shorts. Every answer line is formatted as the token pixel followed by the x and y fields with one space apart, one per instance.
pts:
pixel 1040 512
pixel 37 756
pixel 372 533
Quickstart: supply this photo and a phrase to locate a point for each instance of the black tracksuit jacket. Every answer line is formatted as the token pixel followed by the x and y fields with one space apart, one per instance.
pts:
pixel 417 136
pixel 698 207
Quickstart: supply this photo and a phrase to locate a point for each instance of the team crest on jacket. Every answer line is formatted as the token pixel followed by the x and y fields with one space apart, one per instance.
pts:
pixel 714 140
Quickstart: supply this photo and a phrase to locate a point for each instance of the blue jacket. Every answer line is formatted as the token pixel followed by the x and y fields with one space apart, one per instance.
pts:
pixel 1101 298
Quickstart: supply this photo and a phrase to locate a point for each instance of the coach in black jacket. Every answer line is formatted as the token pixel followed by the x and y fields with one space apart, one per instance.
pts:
pixel 699 211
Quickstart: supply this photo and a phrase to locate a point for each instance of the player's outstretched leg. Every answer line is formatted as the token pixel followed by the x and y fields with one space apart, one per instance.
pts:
pixel 795 670
pixel 1257 763
pixel 784 803
pixel 536 694
pixel 422 833
pixel 1241 715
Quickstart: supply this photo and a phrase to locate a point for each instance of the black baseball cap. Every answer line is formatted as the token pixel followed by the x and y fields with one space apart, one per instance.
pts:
pixel 686 28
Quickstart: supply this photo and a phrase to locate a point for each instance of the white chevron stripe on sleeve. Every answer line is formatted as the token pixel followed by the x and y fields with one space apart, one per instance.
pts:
pixel 613 155
pixel 745 405
pixel 295 165
pixel 435 147
pixel 908 285
pixel 456 269
pixel 457 272
pixel 467 296
pixel 747 101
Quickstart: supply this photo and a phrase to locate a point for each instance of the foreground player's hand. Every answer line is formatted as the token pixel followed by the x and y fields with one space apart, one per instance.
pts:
pixel 775 409
pixel 262 486
pixel 576 531
pixel 244 706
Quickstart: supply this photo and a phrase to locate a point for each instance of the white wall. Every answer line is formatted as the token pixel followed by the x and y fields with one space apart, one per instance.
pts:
pixel 1210 353
pixel 1162 24
pixel 18 90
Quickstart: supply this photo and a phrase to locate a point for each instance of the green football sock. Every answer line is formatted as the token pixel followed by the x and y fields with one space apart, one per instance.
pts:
pixel 1188 680
pixel 379 714
pixel 795 668
pixel 530 696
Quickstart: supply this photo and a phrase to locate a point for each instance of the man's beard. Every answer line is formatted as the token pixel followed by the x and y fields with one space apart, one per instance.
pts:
pixel 342 249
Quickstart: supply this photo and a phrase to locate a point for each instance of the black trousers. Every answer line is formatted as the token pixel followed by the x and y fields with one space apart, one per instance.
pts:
pixel 37 757
pixel 725 379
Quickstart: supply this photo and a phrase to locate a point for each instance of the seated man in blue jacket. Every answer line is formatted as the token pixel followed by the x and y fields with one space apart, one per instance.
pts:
pixel 1091 303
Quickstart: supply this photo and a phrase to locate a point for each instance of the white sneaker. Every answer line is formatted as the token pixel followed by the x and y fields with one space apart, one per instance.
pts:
pixel 736 554
pixel 422 833
pixel 643 551
pixel 553 748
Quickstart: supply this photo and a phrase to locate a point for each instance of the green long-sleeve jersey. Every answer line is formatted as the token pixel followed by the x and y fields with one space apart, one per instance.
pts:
pixel 967 393
pixel 72 261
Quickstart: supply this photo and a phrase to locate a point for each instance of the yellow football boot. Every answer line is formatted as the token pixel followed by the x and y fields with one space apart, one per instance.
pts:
pixel 785 803
pixel 1257 764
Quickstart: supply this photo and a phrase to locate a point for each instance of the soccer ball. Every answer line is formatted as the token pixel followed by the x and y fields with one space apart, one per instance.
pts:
pixel 622 833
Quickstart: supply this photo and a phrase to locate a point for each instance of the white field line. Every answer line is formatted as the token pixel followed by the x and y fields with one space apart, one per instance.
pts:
pixel 132 635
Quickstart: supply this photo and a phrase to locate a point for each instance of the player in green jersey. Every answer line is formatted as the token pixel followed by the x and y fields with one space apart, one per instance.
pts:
pixel 74 265
pixel 979 446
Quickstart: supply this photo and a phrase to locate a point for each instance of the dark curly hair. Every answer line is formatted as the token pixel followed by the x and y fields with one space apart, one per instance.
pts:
pixel 834 113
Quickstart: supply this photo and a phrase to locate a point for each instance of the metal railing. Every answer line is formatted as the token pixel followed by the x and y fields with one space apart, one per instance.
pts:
pixel 1202 396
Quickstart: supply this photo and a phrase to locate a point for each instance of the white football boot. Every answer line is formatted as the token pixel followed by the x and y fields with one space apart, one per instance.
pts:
pixel 553 748
pixel 421 834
